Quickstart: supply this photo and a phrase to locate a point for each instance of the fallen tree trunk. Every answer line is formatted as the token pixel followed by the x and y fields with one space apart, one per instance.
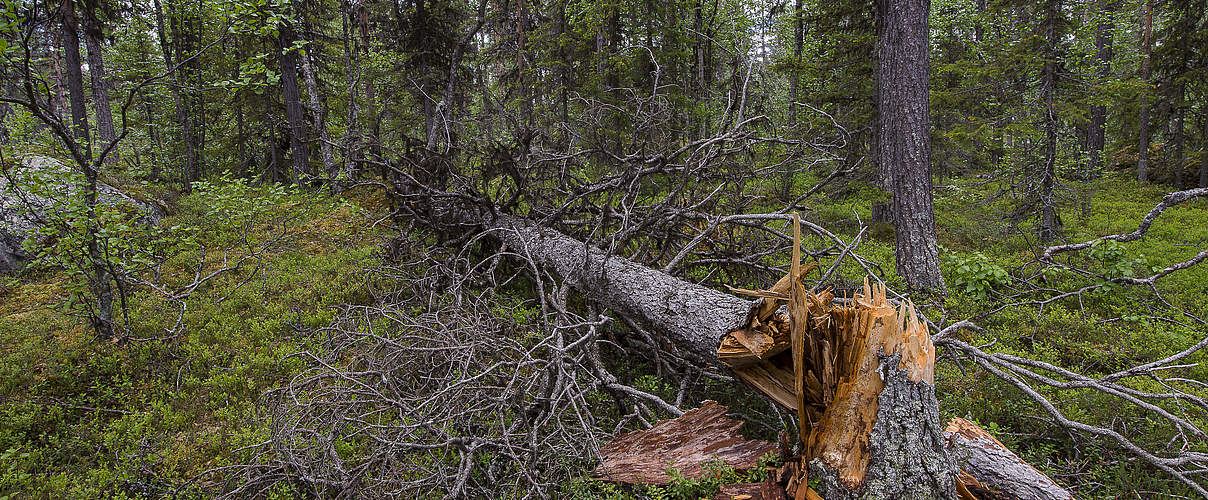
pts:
pixel 989 467
pixel 692 317
pixel 859 376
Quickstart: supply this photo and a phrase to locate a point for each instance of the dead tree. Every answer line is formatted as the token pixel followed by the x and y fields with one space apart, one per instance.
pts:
pixel 861 381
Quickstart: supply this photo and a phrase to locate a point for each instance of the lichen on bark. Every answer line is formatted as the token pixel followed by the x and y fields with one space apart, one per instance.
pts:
pixel 907 458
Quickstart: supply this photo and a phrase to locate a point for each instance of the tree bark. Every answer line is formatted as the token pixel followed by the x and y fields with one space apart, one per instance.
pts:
pixel 75 83
pixel 794 83
pixel 979 28
pixel 318 117
pixel 989 469
pixel 192 162
pixel 907 458
pixel 287 56
pixel 1179 94
pixel 154 134
pixel 692 316
pixel 352 75
pixel 1143 126
pixel 560 26
pixel 375 146
pixel 96 69
pixel 244 157
pixel 1047 228
pixel 315 102
pixel 99 278
pixel 1095 139
pixel 645 456
pixel 699 85
pixel 904 145
pixel 57 96
pixel 1204 150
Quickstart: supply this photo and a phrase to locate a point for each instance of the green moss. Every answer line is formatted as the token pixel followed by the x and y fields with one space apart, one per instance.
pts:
pixel 87 419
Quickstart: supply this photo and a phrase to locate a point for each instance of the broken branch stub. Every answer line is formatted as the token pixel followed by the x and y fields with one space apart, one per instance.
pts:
pixel 991 470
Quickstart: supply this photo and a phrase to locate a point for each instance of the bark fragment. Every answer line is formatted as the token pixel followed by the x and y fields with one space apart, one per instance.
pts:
pixel 687 443
pixel 766 490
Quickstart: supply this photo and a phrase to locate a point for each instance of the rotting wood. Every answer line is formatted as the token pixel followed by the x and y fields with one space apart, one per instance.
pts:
pixel 766 490
pixel 687 444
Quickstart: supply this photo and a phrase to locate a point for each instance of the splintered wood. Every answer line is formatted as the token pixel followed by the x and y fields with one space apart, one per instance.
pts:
pixel 821 360
pixel 831 361
pixel 687 443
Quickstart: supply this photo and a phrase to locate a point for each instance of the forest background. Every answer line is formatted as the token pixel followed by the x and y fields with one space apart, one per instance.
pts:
pixel 295 148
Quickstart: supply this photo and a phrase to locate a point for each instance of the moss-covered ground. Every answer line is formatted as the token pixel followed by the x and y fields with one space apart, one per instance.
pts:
pixel 85 418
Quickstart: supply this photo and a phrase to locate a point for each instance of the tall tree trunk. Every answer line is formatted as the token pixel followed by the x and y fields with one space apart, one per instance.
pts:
pixel 881 211
pixel 1179 94
pixel 318 117
pixel 375 146
pixel 1095 139
pixel 274 156
pixel 352 75
pixel 181 26
pixel 244 159
pixel 96 68
pixel 1143 126
pixel 1204 149
pixel 905 140
pixel 75 83
pixel 614 76
pixel 99 278
pixel 157 145
pixel 192 170
pixel 58 96
pixel 1048 86
pixel 526 98
pixel 197 102
pixel 318 108
pixel 563 139
pixel 5 108
pixel 699 87
pixel 287 56
pixel 794 84
pixel 979 28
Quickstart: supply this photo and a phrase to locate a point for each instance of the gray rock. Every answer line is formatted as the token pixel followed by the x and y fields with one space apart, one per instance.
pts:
pixel 22 211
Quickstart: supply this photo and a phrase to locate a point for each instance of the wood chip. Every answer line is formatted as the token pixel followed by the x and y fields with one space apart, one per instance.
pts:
pixel 767 490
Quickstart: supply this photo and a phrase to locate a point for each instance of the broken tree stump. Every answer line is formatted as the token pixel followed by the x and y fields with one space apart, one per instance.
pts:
pixel 896 449
pixel 862 384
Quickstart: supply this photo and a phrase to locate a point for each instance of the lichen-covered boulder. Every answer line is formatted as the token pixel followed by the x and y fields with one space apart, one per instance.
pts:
pixel 39 185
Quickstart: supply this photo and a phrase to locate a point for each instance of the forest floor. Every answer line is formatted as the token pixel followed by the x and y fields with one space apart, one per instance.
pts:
pixel 84 418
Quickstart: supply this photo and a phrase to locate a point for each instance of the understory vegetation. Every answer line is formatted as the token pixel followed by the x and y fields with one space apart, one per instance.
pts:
pixel 88 418
pixel 454 248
